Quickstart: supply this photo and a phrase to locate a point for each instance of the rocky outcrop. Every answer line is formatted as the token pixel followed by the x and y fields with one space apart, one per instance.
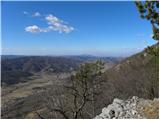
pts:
pixel 135 107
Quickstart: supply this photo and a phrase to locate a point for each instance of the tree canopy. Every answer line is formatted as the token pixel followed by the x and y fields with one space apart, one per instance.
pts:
pixel 150 10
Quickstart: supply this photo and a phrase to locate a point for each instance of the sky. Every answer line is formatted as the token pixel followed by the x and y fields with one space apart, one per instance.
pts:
pixel 73 28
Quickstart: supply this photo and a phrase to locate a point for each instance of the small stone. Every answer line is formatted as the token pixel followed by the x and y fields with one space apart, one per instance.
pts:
pixel 104 110
pixel 145 54
pixel 116 100
pixel 134 112
pixel 112 113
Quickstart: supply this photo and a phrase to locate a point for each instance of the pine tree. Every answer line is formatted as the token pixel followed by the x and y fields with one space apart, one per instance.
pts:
pixel 150 10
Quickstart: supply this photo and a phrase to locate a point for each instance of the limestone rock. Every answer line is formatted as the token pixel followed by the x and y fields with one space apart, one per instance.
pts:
pixel 120 109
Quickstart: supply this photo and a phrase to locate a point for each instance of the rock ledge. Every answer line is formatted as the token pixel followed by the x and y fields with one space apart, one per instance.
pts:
pixel 132 108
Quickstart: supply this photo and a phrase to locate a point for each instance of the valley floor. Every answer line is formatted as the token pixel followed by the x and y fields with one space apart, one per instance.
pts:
pixel 34 85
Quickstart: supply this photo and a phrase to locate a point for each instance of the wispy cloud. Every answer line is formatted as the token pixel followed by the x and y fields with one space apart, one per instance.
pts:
pixel 36 14
pixel 53 22
pixel 58 25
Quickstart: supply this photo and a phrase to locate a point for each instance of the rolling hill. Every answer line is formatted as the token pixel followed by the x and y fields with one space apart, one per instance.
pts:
pixel 16 68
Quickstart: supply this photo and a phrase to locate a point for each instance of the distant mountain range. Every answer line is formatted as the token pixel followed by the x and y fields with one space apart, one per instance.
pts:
pixel 77 57
pixel 17 67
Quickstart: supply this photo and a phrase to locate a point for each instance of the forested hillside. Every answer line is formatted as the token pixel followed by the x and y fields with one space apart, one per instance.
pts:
pixel 137 75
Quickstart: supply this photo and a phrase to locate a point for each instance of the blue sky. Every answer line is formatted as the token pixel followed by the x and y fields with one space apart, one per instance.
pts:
pixel 73 28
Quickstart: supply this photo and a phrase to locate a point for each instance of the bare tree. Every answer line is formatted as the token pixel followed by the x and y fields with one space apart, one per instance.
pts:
pixel 86 84
pixel 70 100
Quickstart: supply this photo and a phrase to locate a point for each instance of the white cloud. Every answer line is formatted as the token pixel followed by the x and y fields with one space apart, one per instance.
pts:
pixel 58 25
pixel 36 14
pixel 54 24
pixel 36 29
pixel 33 29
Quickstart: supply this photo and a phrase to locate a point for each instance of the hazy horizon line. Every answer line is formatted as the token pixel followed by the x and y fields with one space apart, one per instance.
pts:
pixel 59 55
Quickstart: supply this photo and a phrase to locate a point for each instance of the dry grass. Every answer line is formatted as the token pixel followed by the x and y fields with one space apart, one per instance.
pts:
pixel 21 90
pixel 150 109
